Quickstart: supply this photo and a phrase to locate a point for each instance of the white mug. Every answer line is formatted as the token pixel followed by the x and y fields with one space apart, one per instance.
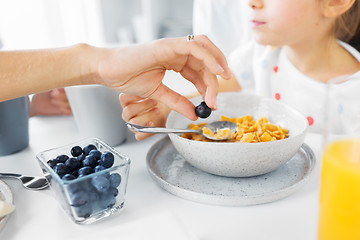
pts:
pixel 97 113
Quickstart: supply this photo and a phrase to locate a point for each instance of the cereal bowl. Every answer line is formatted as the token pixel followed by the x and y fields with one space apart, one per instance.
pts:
pixel 92 195
pixel 235 159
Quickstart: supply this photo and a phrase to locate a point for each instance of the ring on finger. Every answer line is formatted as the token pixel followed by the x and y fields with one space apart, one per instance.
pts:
pixel 190 37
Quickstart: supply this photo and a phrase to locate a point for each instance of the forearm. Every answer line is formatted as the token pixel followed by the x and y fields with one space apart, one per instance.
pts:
pixel 27 72
pixel 230 85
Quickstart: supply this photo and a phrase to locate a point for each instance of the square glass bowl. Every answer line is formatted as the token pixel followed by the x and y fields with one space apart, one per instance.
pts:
pixel 85 199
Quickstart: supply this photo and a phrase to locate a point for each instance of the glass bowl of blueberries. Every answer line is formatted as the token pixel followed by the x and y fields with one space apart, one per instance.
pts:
pixel 88 178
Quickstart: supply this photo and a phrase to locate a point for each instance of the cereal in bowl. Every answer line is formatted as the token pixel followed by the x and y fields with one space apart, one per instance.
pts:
pixel 249 130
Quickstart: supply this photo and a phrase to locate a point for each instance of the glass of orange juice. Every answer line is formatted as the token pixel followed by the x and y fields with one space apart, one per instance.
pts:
pixel 339 212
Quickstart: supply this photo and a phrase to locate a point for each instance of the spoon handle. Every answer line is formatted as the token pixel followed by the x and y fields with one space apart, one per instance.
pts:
pixel 139 128
pixel 10 175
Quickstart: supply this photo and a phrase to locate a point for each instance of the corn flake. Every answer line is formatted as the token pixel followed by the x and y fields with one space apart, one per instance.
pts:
pixel 249 130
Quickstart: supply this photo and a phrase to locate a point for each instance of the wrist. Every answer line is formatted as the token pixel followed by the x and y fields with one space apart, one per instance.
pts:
pixel 84 57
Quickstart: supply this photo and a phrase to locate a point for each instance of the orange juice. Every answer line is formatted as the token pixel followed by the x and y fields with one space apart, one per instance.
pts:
pixel 339 216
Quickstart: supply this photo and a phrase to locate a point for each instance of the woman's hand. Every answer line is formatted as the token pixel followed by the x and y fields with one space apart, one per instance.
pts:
pixel 143 111
pixel 139 70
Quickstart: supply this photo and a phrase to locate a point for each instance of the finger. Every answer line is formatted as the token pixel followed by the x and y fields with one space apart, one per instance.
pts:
pixel 175 101
pixel 212 90
pixel 215 51
pixel 126 99
pixel 210 81
pixel 206 82
pixel 204 56
pixel 196 78
pixel 141 136
pixel 59 94
pixel 147 119
pixel 66 111
pixel 61 107
pixel 196 48
pixel 60 103
pixel 137 108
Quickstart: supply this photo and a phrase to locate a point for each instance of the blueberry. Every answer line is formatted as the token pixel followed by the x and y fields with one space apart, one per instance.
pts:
pixel 107 200
pixel 73 163
pixel 99 168
pixel 68 177
pixel 52 162
pixel 95 153
pixel 75 173
pixel 76 151
pixel 88 148
pixel 113 191
pixel 61 169
pixel 62 158
pixel 93 196
pixel 115 180
pixel 89 161
pixel 79 198
pixel 81 201
pixel 85 171
pixel 101 183
pixel 84 211
pixel 81 157
pixel 107 159
pixel 202 110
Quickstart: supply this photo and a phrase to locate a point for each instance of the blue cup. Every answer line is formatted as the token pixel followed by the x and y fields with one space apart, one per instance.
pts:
pixel 14 125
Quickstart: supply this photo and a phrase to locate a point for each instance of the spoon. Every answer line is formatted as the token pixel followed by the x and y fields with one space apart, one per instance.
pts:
pixel 214 127
pixel 32 183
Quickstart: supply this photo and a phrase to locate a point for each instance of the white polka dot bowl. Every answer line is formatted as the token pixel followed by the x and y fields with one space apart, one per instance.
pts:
pixel 235 159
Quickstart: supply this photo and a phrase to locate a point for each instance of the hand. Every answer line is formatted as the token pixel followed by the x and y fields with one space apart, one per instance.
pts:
pixel 139 70
pixel 50 103
pixel 143 111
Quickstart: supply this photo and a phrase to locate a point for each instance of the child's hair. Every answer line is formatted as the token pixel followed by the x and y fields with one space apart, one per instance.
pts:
pixel 347 26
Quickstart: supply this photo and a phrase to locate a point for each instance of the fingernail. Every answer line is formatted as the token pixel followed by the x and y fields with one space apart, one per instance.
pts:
pixel 221 69
pixel 215 103
pixel 156 110
pixel 208 99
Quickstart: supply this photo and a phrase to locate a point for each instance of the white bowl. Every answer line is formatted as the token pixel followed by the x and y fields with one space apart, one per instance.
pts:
pixel 234 159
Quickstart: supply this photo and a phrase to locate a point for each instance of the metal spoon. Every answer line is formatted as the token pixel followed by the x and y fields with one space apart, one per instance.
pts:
pixel 32 183
pixel 214 127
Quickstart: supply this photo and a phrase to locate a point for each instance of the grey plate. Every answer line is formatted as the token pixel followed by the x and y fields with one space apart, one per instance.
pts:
pixel 169 169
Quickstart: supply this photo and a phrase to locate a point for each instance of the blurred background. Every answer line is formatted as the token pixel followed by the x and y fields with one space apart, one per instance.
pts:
pixel 38 24
pixel 54 23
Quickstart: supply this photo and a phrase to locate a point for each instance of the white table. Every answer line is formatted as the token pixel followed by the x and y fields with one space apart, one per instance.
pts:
pixel 148 208
pixel 39 216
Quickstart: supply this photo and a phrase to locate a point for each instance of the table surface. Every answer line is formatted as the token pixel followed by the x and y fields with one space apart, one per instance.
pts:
pixel 148 208
pixel 38 214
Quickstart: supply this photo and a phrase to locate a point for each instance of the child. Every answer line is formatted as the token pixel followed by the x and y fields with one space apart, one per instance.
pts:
pixel 299 47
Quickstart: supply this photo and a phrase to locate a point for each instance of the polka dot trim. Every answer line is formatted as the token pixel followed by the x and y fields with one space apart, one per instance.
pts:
pixel 275 69
pixel 310 120
pixel 277 96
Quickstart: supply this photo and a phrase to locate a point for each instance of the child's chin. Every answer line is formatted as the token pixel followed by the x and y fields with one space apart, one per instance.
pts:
pixel 263 40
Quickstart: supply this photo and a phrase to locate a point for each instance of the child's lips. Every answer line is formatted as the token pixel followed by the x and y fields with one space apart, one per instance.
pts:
pixel 256 23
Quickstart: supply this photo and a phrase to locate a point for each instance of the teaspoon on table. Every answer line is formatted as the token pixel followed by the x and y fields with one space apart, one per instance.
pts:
pixel 32 183
pixel 214 127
